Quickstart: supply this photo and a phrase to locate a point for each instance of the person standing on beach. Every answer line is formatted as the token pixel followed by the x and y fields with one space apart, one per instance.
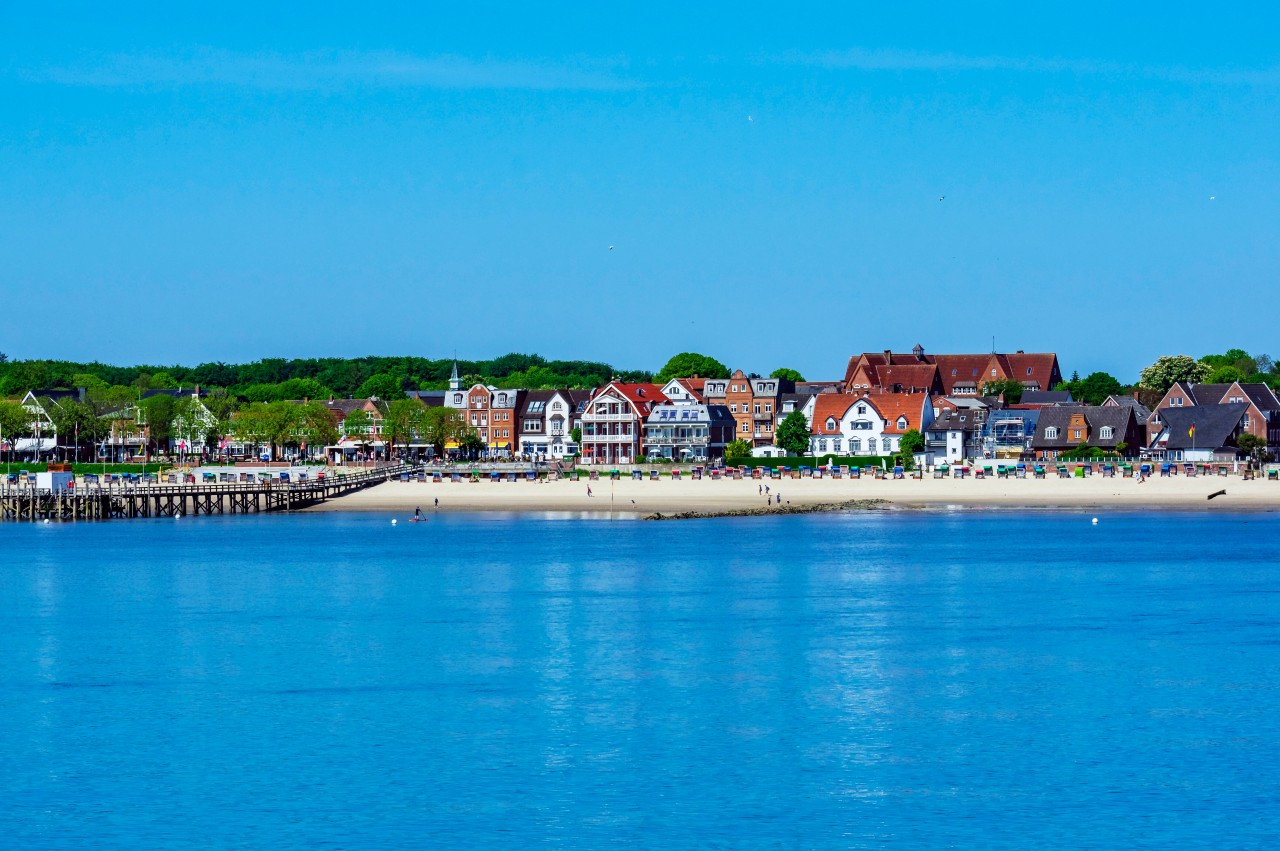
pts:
pixel 437 503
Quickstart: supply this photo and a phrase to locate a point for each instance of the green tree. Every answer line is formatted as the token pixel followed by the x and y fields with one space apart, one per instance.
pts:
pixel 15 421
pixel 314 426
pixel 469 443
pixel 252 426
pixel 1225 375
pixel 909 446
pixel 689 364
pixel 403 422
pixel 157 414
pixel 1169 369
pixel 358 426
pixel 1094 388
pixel 383 386
pixel 441 425
pixel 575 434
pixel 1010 389
pixel 786 374
pixel 793 434
pixel 737 449
pixel 1250 445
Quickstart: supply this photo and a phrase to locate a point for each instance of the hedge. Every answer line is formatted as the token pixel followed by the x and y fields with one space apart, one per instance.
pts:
pixel 794 461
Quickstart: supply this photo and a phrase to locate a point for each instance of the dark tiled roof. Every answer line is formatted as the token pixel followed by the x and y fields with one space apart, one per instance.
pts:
pixel 1046 397
pixel 1096 417
pixel 1262 396
pixel 1215 425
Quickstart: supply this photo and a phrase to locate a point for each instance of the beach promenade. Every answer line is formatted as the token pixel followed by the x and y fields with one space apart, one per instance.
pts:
pixel 666 496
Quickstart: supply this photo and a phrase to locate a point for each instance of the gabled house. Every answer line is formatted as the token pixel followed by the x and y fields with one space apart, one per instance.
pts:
pixel 44 434
pixel 948 375
pixel 958 428
pixel 752 401
pixel 613 421
pixel 504 430
pixel 843 424
pixel 688 432
pixel 685 391
pixel 1262 412
pixel 1066 427
pixel 1183 394
pixel 1200 433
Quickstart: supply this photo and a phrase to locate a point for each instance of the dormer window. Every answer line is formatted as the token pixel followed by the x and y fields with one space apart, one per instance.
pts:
pixel 831 424
pixel 1106 433
pixel 1051 433
pixel 902 422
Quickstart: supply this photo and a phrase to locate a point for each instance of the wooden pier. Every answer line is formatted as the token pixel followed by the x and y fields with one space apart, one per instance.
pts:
pixel 125 501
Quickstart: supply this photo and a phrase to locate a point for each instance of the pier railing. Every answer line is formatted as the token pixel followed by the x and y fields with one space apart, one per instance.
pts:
pixel 108 500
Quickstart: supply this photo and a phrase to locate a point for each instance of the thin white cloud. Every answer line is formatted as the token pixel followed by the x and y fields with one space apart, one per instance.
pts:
pixel 330 70
pixel 899 60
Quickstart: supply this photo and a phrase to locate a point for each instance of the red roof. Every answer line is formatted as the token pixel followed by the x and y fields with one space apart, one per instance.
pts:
pixel 833 406
pixel 894 405
pixel 641 396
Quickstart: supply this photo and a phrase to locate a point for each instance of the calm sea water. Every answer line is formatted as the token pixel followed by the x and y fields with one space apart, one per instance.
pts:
pixel 911 680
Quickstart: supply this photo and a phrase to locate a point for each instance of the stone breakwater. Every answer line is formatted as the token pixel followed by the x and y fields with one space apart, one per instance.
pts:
pixel 809 508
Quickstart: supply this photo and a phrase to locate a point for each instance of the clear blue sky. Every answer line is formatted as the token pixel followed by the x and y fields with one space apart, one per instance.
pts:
pixel 308 180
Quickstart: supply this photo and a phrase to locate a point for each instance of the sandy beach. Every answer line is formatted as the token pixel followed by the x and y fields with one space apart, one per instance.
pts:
pixel 726 495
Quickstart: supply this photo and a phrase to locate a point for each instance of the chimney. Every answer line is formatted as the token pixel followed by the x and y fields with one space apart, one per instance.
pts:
pixel 1021 352
pixel 888 356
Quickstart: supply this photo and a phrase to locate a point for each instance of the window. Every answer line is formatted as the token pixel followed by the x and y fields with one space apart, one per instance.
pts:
pixel 734 407
pixel 993 372
pixel 835 444
pixel 757 410
pixel 1244 421
pixel 886 445
pixel 746 427
pixel 855 444
pixel 1106 433
pixel 902 422
pixel 862 409
pixel 768 426
pixel 953 373
pixel 1075 434
pixel 1051 433
pixel 822 445
pixel 1028 370
pixel 831 424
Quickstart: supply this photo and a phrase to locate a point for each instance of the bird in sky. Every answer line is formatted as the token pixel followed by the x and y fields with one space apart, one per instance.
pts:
pixel 610 247
pixel 1213 197
pixel 943 198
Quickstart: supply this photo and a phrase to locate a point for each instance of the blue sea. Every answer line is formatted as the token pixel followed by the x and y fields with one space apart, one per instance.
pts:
pixel 911 680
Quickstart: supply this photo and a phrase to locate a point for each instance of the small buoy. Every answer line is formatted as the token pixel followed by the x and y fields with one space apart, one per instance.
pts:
pixel 46 520
pixel 1095 521
pixel 393 522
pixel 177 516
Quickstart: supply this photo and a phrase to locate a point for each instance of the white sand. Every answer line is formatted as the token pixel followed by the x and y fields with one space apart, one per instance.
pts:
pixel 669 497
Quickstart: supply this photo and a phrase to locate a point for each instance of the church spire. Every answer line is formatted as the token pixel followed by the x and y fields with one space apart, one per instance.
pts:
pixel 455 383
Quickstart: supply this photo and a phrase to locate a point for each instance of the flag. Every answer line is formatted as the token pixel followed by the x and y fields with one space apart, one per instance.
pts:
pixel 1191 432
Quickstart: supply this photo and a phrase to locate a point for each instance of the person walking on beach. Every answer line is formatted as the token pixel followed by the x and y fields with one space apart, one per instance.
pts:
pixel 589 493
pixel 766 490
pixel 759 489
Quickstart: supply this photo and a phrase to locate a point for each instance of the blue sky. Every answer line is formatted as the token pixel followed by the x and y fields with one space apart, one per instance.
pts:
pixel 781 186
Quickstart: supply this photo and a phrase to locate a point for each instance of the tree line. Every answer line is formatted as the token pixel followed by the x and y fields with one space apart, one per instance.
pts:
pixel 273 379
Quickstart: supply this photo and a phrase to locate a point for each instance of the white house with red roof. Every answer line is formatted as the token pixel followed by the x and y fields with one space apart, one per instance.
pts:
pixel 613 421
pixel 869 424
